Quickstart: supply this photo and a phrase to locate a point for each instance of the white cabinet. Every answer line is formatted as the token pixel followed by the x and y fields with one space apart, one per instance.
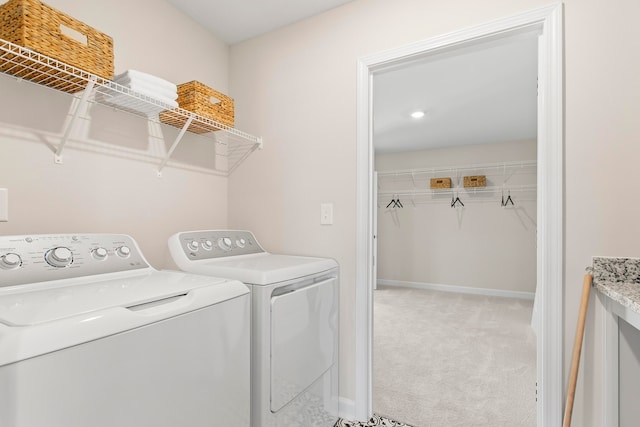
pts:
pixel 621 363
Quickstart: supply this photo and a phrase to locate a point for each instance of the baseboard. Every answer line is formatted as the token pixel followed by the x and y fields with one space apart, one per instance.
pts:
pixel 347 409
pixel 458 289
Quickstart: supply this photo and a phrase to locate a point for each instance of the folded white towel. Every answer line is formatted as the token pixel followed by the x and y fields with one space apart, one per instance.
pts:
pixel 151 90
pixel 170 89
pixel 138 76
pixel 117 89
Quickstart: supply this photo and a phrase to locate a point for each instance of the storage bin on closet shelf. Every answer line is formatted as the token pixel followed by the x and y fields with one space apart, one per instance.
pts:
pixel 41 28
pixel 475 181
pixel 439 183
pixel 204 101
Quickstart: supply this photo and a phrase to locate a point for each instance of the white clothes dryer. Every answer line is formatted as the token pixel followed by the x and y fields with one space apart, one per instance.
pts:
pixel 91 335
pixel 294 321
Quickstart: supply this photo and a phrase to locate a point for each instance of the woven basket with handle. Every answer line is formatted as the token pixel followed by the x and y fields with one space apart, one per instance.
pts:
pixel 39 27
pixel 204 101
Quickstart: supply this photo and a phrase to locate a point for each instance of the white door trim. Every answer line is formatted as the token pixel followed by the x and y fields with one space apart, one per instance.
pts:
pixel 550 200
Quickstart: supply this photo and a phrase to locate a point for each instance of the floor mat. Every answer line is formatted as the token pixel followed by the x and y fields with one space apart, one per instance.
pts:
pixel 376 420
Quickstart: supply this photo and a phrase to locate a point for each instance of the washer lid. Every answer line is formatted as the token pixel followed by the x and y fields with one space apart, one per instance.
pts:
pixel 262 269
pixel 51 301
pixel 72 312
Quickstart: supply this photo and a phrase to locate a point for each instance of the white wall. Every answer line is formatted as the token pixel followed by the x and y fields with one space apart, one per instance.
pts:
pixel 480 245
pixel 297 88
pixel 155 37
pixel 108 181
pixel 601 168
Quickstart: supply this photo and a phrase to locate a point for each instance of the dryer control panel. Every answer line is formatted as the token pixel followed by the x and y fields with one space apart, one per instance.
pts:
pixel 37 258
pixel 208 244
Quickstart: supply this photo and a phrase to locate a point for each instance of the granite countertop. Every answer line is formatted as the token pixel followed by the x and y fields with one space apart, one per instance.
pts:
pixel 619 279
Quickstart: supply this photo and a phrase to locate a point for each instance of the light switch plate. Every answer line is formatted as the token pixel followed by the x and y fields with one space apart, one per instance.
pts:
pixel 4 205
pixel 326 213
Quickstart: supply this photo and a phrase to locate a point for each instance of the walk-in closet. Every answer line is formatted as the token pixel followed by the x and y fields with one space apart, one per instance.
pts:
pixel 456 172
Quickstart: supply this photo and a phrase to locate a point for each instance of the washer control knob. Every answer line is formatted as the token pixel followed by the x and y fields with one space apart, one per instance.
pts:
pixel 224 243
pixel 241 243
pixel 207 245
pixel 193 245
pixel 123 251
pixel 99 254
pixel 10 261
pixel 59 257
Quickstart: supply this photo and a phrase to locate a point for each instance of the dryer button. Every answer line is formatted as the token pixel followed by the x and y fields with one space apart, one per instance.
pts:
pixel 100 254
pixel 224 243
pixel 123 251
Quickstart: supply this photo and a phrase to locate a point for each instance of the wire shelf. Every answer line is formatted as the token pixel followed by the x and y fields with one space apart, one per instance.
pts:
pixel 233 145
pixel 413 185
pixel 502 168
pixel 462 190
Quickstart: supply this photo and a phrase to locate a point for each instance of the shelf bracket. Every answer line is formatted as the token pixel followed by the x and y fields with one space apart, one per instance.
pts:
pixel 175 144
pixel 83 101
pixel 260 143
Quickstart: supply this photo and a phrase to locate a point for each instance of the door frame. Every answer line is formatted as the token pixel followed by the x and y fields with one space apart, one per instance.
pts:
pixel 550 231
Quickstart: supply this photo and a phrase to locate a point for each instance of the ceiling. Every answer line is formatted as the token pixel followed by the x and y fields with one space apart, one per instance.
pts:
pixel 233 21
pixel 481 94
pixel 485 93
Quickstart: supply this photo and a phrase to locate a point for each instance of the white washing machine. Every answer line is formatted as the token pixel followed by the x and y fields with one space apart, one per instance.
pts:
pixel 91 335
pixel 294 353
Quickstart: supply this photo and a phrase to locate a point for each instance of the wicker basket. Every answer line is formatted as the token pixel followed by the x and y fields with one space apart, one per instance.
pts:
pixel 39 27
pixel 475 181
pixel 204 101
pixel 437 183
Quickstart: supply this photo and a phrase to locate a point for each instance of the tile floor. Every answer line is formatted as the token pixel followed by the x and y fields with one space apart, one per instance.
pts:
pixel 376 420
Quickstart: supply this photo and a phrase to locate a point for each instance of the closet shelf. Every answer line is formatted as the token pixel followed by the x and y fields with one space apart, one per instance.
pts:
pixel 497 174
pixel 502 168
pixel 233 145
pixel 463 190
pixel 414 185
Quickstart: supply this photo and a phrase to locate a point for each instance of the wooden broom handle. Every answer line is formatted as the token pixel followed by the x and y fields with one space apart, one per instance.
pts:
pixel 577 349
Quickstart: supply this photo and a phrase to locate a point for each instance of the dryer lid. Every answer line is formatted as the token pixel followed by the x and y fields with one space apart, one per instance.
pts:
pixel 304 333
pixel 262 269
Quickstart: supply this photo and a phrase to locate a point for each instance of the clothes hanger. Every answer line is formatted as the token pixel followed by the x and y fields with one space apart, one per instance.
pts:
pixel 396 203
pixel 508 200
pixel 456 201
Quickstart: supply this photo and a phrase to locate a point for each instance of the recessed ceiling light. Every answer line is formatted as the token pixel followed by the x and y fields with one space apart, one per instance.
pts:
pixel 417 114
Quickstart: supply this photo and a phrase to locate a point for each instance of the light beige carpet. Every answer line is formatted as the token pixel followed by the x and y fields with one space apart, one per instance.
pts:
pixel 446 359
